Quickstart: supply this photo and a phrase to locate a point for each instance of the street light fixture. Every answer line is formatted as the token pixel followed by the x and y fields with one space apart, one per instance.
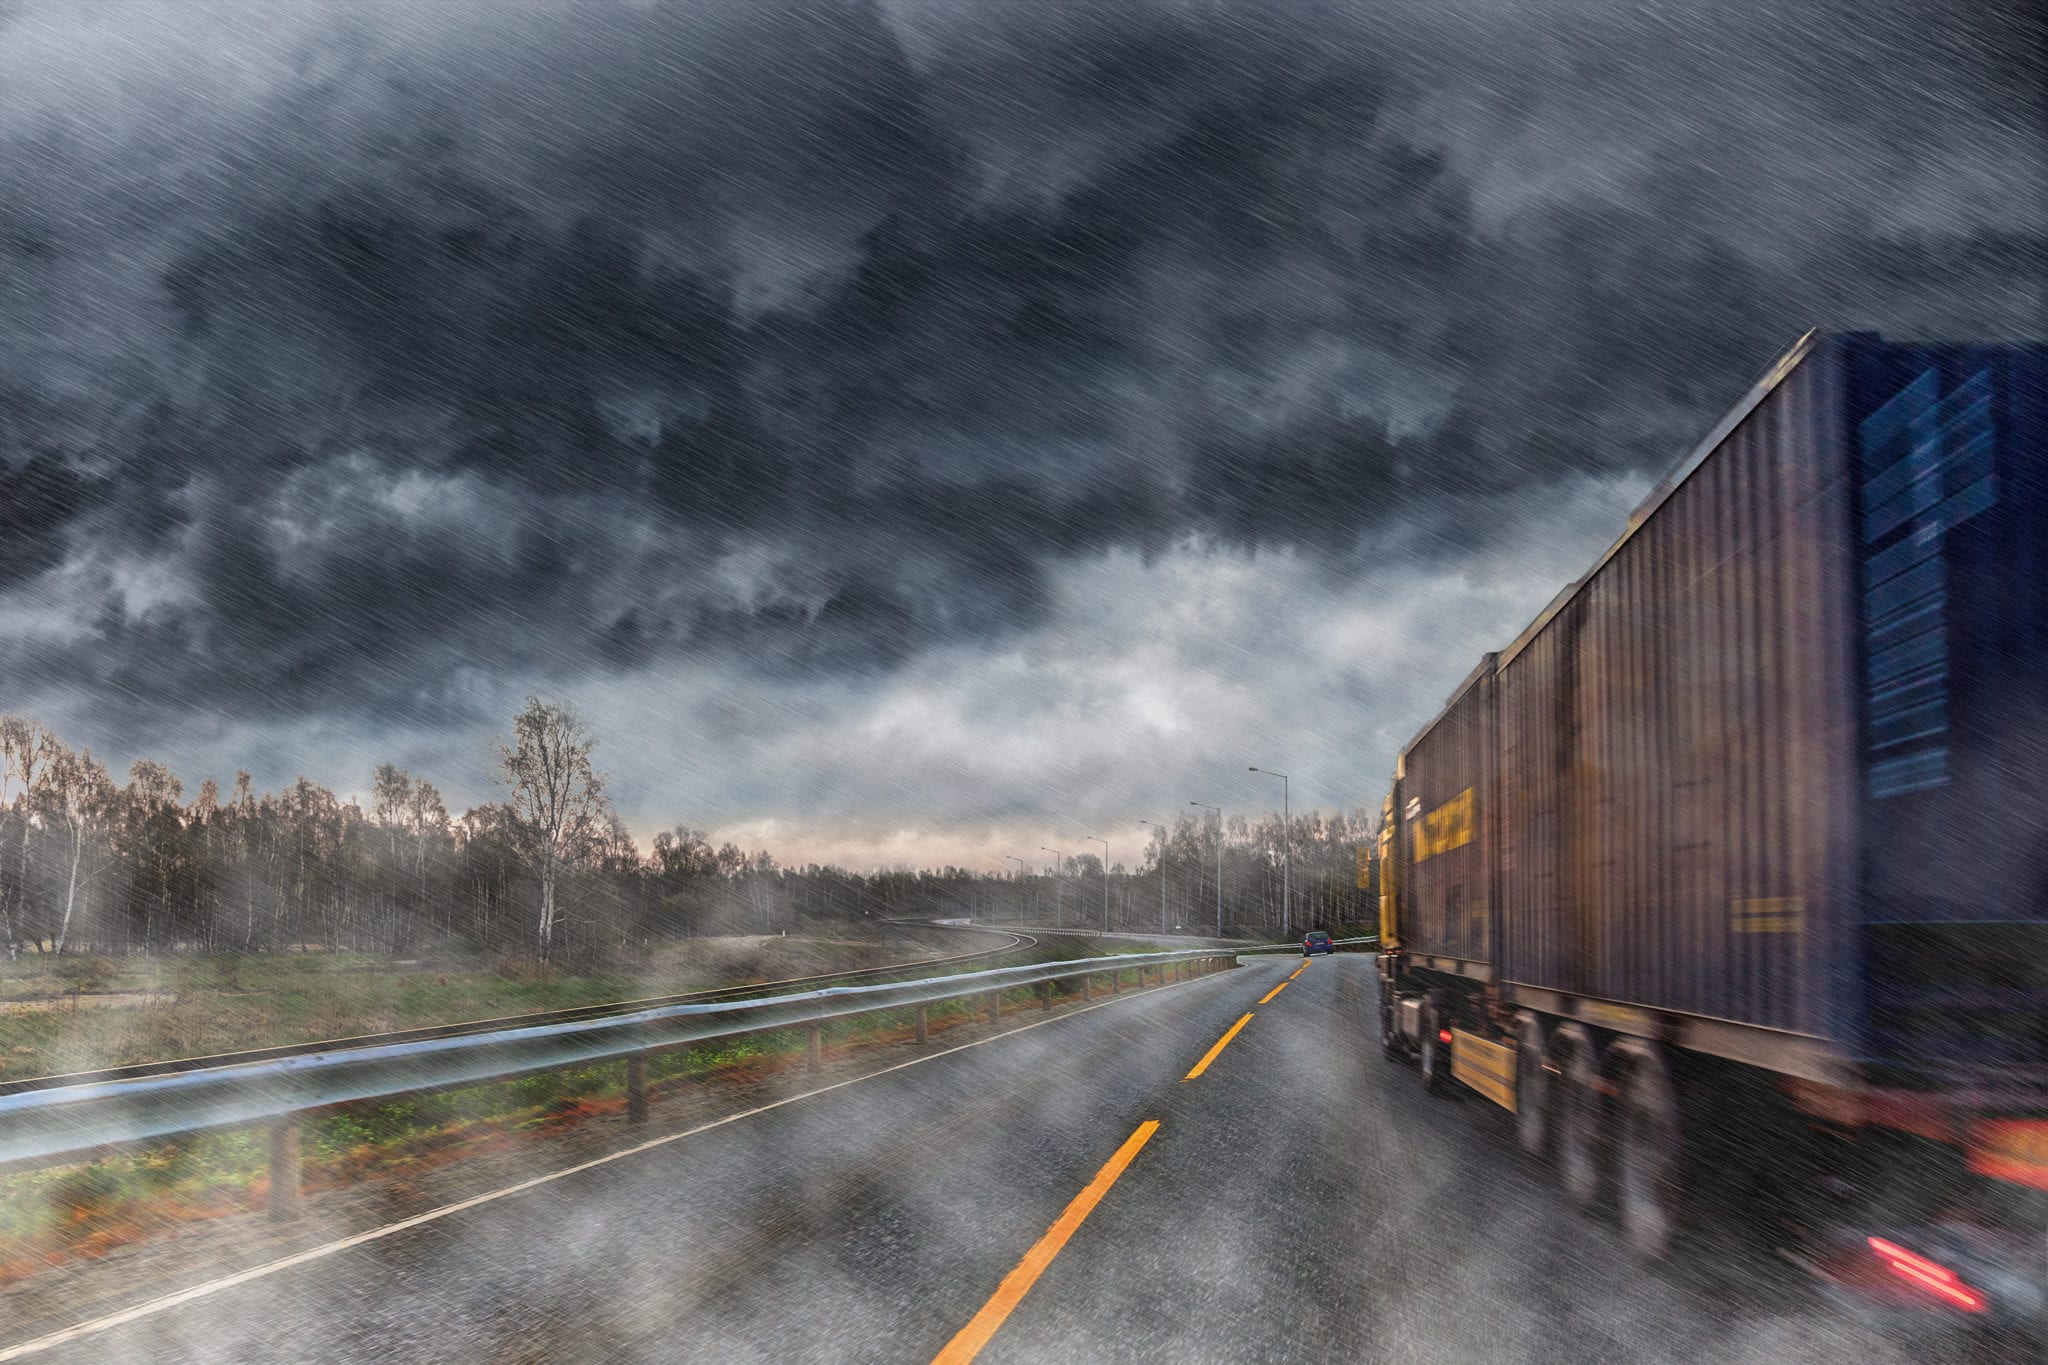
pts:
pixel 1164 835
pixel 1219 862
pixel 1097 839
pixel 1059 914
pixel 1287 865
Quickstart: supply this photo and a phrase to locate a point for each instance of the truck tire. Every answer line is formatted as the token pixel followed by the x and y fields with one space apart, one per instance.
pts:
pixel 1390 1038
pixel 1532 1086
pixel 1579 1116
pixel 1647 1190
pixel 1390 1042
pixel 1433 1059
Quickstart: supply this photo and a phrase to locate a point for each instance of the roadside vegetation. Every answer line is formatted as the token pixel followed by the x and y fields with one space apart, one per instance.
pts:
pixel 97 868
pixel 50 1215
pixel 62 1015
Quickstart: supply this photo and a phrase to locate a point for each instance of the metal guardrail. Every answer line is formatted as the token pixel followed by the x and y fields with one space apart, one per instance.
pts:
pixel 475 1026
pixel 1358 942
pixel 70 1123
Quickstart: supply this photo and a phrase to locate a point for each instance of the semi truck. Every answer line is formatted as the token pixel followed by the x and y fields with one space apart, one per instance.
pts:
pixel 1727 877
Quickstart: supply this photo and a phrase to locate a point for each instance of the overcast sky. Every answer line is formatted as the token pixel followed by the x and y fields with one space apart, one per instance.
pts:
pixel 913 430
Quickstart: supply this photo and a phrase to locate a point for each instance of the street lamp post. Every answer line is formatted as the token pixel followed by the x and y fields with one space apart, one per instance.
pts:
pixel 1287 863
pixel 1163 836
pixel 1219 863
pixel 1059 914
pixel 1097 839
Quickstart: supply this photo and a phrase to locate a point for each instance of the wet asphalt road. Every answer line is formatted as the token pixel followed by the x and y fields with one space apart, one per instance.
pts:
pixel 1303 1200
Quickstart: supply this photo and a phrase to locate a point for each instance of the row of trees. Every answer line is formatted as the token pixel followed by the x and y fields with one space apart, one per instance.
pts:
pixel 1174 886
pixel 89 863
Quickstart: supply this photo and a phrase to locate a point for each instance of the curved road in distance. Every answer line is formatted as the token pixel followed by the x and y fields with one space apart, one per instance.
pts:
pixel 1300 1199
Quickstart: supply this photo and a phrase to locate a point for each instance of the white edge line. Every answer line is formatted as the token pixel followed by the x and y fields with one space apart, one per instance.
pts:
pixel 163 1303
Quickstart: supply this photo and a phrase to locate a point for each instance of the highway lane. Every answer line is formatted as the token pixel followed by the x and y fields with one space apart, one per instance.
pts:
pixel 1300 1199
pixel 1305 1200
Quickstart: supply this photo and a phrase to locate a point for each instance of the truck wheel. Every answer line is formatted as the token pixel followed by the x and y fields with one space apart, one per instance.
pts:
pixel 1646 1180
pixel 1390 1042
pixel 1532 1086
pixel 1390 1037
pixel 1578 1115
pixel 1434 1059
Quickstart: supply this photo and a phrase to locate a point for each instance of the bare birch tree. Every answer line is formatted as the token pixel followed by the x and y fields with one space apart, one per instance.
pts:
pixel 27 748
pixel 556 794
pixel 83 798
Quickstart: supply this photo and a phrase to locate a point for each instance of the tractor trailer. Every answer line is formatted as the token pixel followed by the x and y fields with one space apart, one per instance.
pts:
pixel 1728 876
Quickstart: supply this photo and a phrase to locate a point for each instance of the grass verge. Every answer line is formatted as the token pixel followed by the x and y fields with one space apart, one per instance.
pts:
pixel 59 1214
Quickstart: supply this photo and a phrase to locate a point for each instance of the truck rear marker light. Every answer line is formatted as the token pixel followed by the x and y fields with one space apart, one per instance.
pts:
pixel 1929 1275
pixel 1443 1035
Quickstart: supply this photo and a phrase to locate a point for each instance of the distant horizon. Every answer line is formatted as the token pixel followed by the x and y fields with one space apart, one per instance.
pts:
pixel 746 837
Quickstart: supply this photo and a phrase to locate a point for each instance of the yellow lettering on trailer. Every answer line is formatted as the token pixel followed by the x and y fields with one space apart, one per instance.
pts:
pixel 1486 1067
pixel 1620 1018
pixel 1447 827
pixel 1774 915
pixel 1365 867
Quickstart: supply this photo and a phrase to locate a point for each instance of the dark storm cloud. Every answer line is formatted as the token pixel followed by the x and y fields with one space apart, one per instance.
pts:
pixel 807 338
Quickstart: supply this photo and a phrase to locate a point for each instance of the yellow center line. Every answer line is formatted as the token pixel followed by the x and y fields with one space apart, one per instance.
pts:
pixel 968 1343
pixel 1221 1043
pixel 1276 990
pixel 1299 970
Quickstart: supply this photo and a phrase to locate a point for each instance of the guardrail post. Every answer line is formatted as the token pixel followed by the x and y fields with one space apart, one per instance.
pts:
pixel 814 1048
pixel 1045 995
pixel 1087 989
pixel 286 1170
pixel 1116 982
pixel 636 1088
pixel 923 1023
pixel 995 1006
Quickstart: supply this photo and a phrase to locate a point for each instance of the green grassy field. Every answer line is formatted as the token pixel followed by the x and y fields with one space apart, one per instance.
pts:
pixel 139 1010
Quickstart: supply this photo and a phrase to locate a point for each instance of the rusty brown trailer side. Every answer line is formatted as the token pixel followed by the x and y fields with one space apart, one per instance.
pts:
pixel 1676 738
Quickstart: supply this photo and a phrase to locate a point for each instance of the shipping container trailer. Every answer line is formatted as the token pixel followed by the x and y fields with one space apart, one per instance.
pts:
pixel 1750 825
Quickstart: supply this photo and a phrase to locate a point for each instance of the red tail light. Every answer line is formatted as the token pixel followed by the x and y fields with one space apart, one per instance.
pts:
pixel 1932 1276
pixel 1443 1035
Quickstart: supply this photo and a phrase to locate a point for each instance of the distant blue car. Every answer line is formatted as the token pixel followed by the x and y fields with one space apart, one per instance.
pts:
pixel 1316 941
